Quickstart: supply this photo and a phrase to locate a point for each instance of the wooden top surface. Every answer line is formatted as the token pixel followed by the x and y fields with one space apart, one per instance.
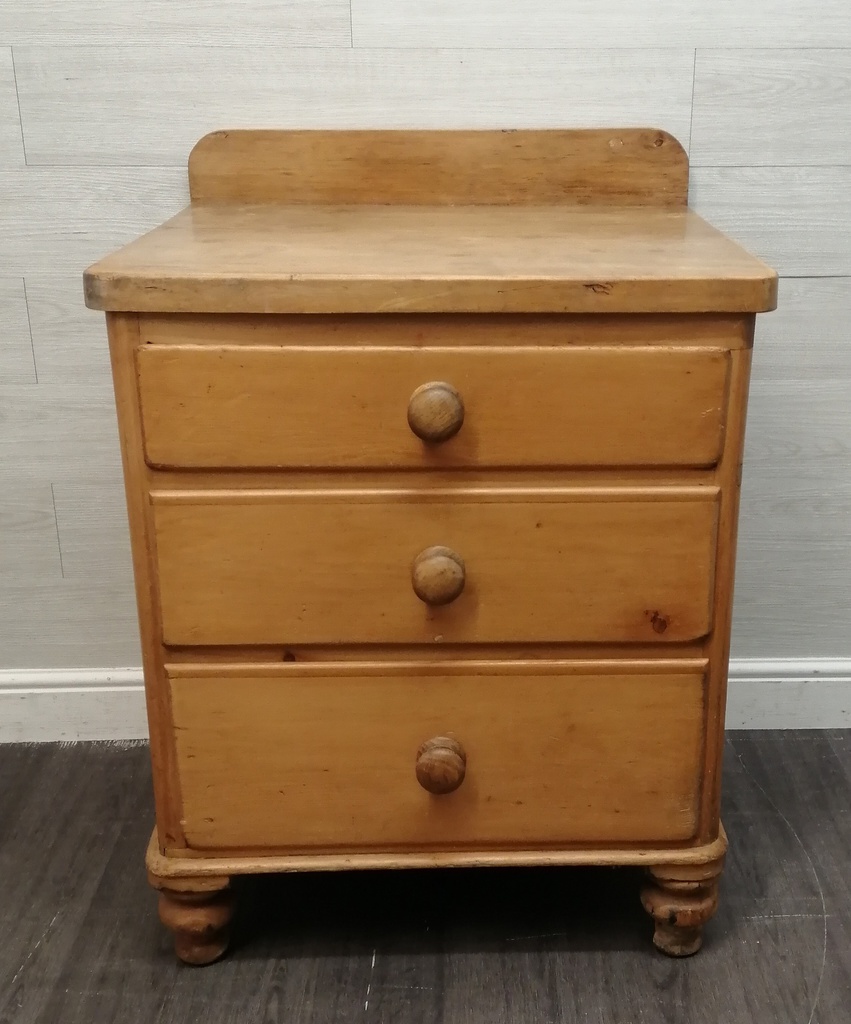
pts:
pixel 580 221
pixel 357 259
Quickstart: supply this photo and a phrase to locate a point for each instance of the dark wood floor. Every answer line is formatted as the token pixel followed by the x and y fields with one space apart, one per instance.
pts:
pixel 80 943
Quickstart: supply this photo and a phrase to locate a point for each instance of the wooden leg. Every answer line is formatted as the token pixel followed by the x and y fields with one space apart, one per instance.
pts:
pixel 200 920
pixel 681 899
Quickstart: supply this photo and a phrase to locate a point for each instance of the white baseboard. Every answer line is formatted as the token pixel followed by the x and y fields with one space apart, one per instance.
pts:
pixel 789 693
pixel 108 704
pixel 44 705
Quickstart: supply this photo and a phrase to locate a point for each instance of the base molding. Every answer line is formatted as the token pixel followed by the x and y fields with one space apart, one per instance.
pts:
pixel 213 870
pixel 48 705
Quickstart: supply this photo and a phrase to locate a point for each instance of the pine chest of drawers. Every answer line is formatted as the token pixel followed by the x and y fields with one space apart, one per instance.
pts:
pixel 432 444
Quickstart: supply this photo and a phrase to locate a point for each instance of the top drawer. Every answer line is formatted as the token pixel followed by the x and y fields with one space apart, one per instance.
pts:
pixel 266 407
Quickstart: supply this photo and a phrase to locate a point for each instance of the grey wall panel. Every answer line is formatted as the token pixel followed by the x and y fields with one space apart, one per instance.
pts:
pixel 114 93
pixel 594 23
pixel 68 624
pixel 796 218
pixel 57 432
pixel 92 529
pixel 11 139
pixel 794 574
pixel 258 22
pixel 17 363
pixel 69 341
pixel 62 219
pixel 29 544
pixel 772 107
pixel 140 104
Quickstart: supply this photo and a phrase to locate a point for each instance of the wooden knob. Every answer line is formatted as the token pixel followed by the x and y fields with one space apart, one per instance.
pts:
pixel 441 765
pixel 435 412
pixel 438 575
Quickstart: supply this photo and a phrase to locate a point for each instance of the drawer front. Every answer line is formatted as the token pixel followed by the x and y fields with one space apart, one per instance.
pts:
pixel 552 755
pixel 323 407
pixel 340 567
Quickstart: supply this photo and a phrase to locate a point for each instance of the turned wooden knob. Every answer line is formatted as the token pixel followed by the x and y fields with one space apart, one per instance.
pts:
pixel 435 412
pixel 441 765
pixel 438 575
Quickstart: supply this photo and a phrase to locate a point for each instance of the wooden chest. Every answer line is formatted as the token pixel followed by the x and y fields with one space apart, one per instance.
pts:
pixel 432 444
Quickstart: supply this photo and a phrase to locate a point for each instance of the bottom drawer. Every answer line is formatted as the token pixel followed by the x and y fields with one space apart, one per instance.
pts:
pixel 326 757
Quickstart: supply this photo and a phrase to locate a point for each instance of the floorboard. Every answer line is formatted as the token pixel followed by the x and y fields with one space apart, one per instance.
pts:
pixel 82 942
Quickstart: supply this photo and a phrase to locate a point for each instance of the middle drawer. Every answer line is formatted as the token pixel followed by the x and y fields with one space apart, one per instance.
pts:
pixel 306 567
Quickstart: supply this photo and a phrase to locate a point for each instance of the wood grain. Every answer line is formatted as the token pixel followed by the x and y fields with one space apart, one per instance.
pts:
pixel 414 330
pixel 681 900
pixel 771 107
pixel 584 660
pixel 794 564
pixel 390 259
pixel 793 217
pixel 160 22
pixel 17 362
pixel 123 331
pixel 247 407
pixel 795 468
pixel 291 758
pixel 584 23
pixel 203 658
pixel 438 575
pixel 193 867
pixel 200 922
pixel 435 412
pixel 243 568
pixel 175 480
pixel 72 115
pixel 441 765
pixel 718 646
pixel 92 622
pixel 629 166
pixel 299 763
pixel 11 138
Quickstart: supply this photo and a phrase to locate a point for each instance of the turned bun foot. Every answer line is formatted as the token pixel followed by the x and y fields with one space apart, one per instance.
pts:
pixel 200 922
pixel 676 940
pixel 681 899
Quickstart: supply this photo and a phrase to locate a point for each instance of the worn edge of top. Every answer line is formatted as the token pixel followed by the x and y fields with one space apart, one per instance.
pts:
pixel 138 294
pixel 241 151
